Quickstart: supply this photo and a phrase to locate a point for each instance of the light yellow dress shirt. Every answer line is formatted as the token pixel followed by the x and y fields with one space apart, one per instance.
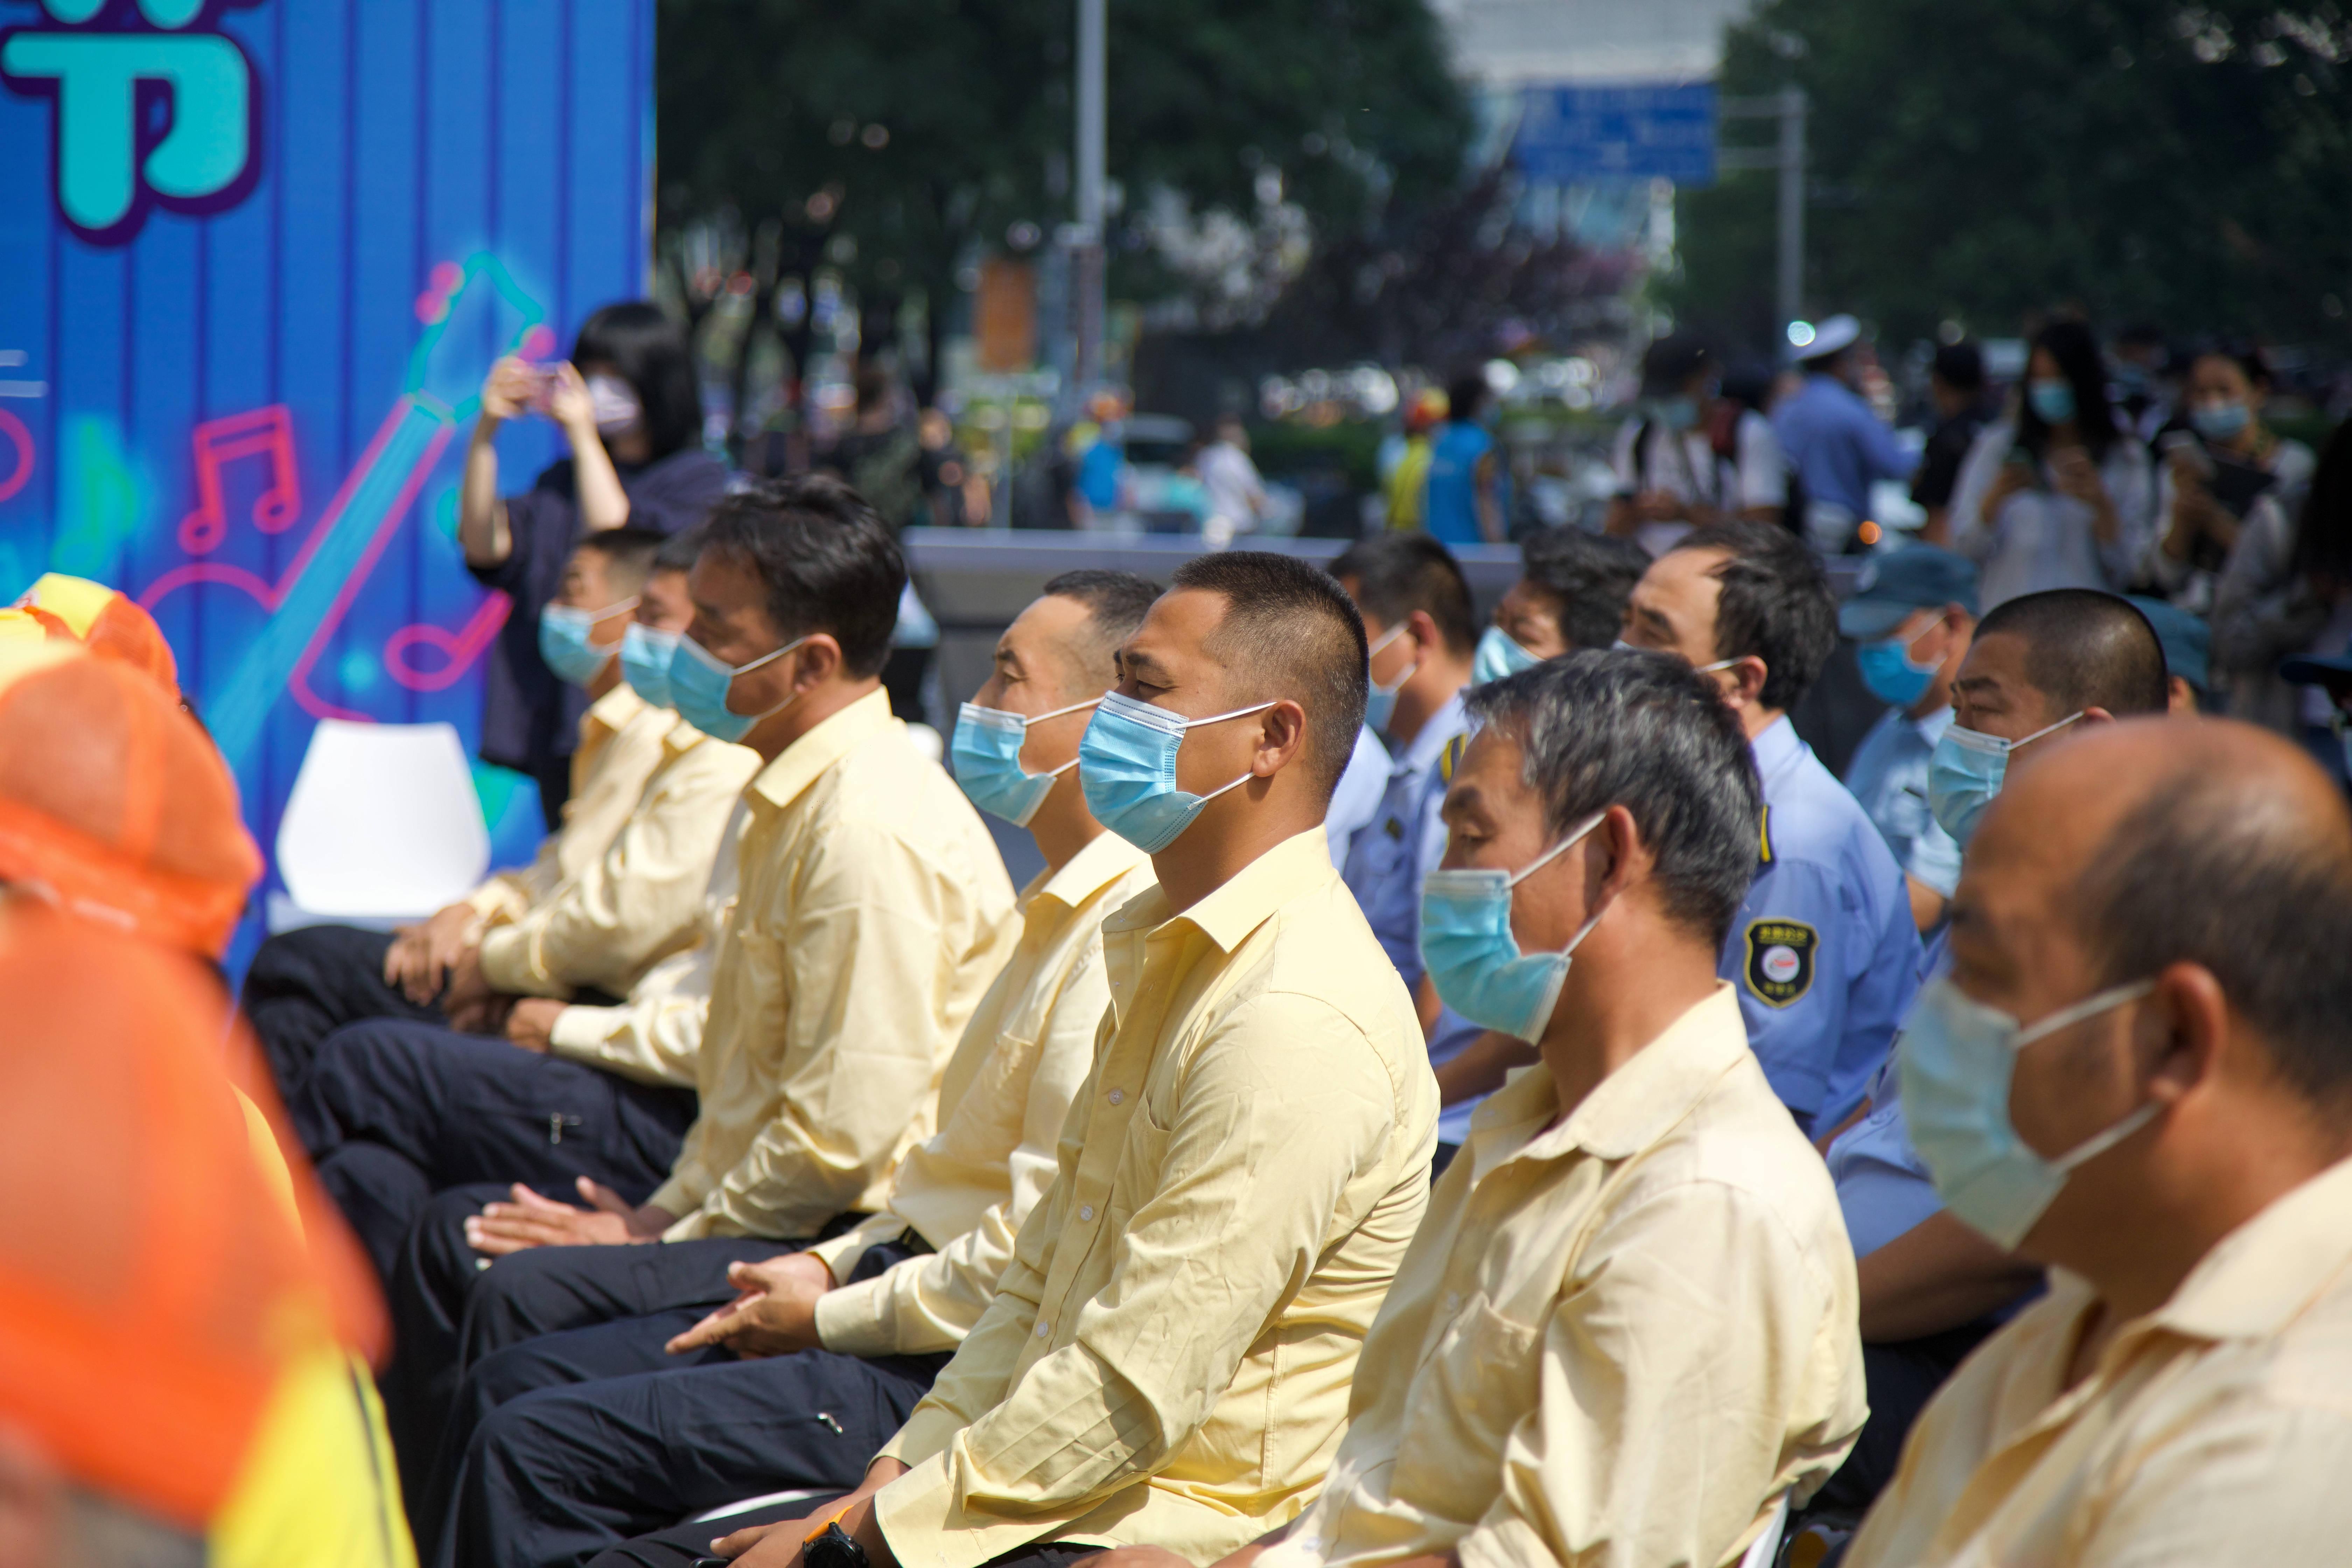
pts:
pixel 1002 1101
pixel 2215 1430
pixel 655 1036
pixel 620 746
pixel 873 911
pixel 1616 1341
pixel 1168 1356
pixel 603 927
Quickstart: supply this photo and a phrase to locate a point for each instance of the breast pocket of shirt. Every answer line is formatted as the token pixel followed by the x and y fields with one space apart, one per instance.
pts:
pixel 1480 1377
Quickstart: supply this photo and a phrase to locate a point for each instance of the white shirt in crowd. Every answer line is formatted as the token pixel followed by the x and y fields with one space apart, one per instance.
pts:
pixel 1754 475
pixel 2042 539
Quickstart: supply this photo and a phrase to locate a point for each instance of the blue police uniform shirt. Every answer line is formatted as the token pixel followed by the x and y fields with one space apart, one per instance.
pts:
pixel 1357 796
pixel 1402 843
pixel 1405 839
pixel 1883 1187
pixel 1888 776
pixel 1823 953
pixel 1836 445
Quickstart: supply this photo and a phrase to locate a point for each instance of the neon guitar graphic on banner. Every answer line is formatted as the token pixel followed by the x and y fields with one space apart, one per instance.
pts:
pixel 310 600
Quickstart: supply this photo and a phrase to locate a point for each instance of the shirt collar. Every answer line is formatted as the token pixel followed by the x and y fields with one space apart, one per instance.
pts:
pixel 799 765
pixel 2261 1276
pixel 616 707
pixel 681 737
pixel 1776 748
pixel 1627 1112
pixel 1442 726
pixel 1931 729
pixel 1296 865
pixel 1103 861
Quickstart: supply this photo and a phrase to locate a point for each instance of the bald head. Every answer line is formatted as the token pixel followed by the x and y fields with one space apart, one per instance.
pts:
pixel 2200 841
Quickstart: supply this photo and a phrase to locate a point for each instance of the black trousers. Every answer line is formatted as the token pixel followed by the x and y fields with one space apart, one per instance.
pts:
pixel 305 985
pixel 394 1112
pixel 579 1440
pixel 451 1307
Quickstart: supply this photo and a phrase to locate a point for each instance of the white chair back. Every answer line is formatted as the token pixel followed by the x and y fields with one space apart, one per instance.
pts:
pixel 383 824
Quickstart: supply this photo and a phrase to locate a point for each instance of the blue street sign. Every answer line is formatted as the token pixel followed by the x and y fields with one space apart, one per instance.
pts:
pixel 1570 134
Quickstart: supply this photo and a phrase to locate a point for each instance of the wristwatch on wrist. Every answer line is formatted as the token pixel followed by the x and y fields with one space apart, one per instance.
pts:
pixel 836 1548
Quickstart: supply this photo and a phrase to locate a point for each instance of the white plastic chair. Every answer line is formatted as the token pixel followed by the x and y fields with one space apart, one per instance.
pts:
pixel 1765 1547
pixel 802 1494
pixel 382 826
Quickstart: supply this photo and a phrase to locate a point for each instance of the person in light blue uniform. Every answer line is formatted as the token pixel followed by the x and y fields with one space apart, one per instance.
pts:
pixel 1914 612
pixel 1357 796
pixel 1418 625
pixel 1825 953
pixel 1834 445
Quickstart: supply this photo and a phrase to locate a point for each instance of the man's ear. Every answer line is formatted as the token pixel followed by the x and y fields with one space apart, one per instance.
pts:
pixel 1282 738
pixel 2189 1007
pixel 2096 716
pixel 1750 671
pixel 820 661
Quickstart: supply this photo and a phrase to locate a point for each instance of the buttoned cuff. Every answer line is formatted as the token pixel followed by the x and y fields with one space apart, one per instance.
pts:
pixel 929 1432
pixel 843 1252
pixel 926 1526
pixel 857 1319
pixel 677 1196
pixel 510 960
pixel 580 1032
pixel 497 900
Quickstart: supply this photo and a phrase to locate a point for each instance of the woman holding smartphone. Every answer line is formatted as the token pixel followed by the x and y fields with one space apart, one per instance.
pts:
pixel 629 407
pixel 2229 486
pixel 2057 495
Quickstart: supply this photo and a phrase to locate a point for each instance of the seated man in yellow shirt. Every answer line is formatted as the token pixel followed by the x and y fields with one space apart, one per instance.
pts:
pixel 303 984
pixel 395 1108
pixel 871 912
pixel 1627 1329
pixel 2136 1073
pixel 1169 1353
pixel 857 1326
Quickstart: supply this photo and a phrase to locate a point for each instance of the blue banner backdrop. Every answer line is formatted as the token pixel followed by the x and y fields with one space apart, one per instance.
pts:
pixel 256 256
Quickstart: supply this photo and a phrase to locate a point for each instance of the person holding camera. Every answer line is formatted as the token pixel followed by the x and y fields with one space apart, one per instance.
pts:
pixel 2056 496
pixel 2228 483
pixel 629 408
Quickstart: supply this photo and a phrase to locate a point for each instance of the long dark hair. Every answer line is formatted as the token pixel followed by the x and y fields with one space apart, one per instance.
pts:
pixel 636 339
pixel 2077 353
pixel 2323 536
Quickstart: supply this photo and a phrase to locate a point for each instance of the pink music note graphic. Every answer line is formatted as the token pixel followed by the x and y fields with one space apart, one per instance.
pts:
pixel 459 649
pixel 267 432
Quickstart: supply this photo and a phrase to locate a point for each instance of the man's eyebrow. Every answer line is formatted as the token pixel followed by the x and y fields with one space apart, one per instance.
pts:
pixel 1135 662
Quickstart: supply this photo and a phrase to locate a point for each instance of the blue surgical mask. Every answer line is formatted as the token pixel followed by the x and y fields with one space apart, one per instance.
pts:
pixel 563 640
pixel 1497 656
pixel 986 753
pixel 699 684
pixel 1956 1058
pixel 1380 701
pixel 2052 401
pixel 1676 414
pixel 1888 670
pixel 1965 772
pixel 1126 764
pixel 645 655
pixel 1475 962
pixel 2220 421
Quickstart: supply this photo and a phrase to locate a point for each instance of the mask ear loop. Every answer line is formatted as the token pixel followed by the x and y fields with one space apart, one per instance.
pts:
pixel 766 658
pixel 1582 828
pixel 1219 719
pixel 2091 1006
pixel 2045 730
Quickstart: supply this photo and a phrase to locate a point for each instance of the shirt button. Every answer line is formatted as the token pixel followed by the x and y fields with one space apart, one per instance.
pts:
pixel 1453 1302
pixel 1086 1211
pixel 1041 1331
pixel 1117 1095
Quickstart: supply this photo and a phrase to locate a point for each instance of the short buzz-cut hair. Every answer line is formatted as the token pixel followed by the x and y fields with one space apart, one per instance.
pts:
pixel 1588 578
pixel 1776 604
pixel 2085 648
pixel 827 563
pixel 2193 875
pixel 1604 727
pixel 1397 573
pixel 679 551
pixel 628 552
pixel 1115 604
pixel 1288 631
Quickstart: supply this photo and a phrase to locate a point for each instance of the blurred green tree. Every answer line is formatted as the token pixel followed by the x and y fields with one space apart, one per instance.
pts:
pixel 891 139
pixel 2189 164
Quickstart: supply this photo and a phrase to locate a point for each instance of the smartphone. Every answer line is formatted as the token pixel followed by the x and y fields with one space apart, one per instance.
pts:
pixel 2021 461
